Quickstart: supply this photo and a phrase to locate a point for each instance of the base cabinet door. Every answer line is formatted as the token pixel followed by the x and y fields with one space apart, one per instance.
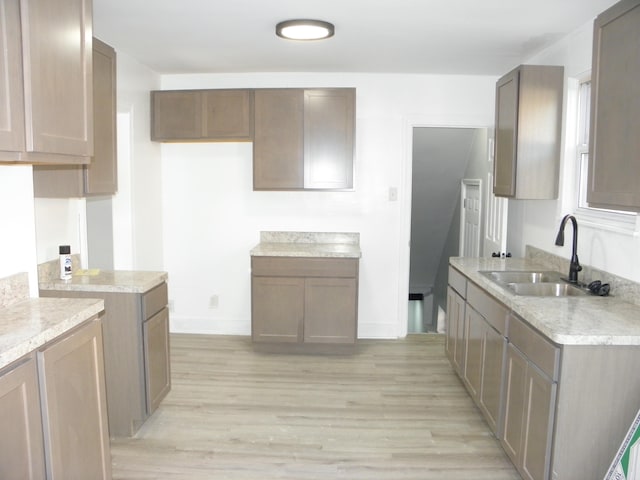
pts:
pixel 155 332
pixel 277 309
pixel 529 412
pixel 21 444
pixel 72 392
pixel 330 310
pixel 474 336
pixel 455 329
pixel 491 385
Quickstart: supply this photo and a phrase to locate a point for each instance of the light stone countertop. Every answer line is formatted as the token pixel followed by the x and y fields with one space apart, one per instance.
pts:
pixel 308 244
pixel 27 325
pixel 581 320
pixel 118 281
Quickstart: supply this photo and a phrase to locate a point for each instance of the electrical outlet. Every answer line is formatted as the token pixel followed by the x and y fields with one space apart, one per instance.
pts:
pixel 393 194
pixel 171 306
pixel 213 301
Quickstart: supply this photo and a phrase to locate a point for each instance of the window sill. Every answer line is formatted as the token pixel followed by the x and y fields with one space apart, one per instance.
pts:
pixel 623 223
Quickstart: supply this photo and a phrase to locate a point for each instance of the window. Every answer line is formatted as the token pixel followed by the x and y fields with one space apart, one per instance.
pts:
pixel 614 220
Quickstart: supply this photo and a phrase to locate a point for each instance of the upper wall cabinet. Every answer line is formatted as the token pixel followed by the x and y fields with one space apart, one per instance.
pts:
pixel 528 129
pixel 11 92
pixel 52 77
pixel 201 115
pixel 304 139
pixel 100 176
pixel 614 145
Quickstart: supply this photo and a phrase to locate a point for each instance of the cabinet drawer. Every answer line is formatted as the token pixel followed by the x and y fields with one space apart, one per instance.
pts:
pixel 458 282
pixel 154 300
pixel 492 311
pixel 537 348
pixel 304 267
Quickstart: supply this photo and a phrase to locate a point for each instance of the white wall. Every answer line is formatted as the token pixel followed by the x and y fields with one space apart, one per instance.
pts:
pixel 17 240
pixel 536 222
pixel 137 215
pixel 212 217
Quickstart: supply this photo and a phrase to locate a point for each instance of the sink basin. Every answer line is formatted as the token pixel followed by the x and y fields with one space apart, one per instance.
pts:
pixel 510 276
pixel 545 289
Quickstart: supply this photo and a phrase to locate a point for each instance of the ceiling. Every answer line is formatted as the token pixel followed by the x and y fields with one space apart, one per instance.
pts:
pixel 394 36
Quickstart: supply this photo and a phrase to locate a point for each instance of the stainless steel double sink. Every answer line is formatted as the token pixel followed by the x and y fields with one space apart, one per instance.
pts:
pixel 534 283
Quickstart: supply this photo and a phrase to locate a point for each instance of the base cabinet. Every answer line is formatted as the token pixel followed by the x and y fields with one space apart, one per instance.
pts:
pixel 74 406
pixel 136 353
pixel 22 445
pixel 304 302
pixel 529 412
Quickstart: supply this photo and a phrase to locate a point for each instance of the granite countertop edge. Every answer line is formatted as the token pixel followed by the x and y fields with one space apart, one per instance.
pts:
pixel 302 250
pixel 27 325
pixel 588 320
pixel 115 281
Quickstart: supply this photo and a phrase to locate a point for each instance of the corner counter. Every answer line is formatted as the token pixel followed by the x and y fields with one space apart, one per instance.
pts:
pixel 135 334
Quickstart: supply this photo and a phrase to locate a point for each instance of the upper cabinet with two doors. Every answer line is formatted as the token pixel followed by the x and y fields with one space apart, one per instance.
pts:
pixel 528 132
pixel 45 85
pixel 614 144
pixel 303 139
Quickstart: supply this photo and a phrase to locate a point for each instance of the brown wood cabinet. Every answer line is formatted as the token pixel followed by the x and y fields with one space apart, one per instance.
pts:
pixel 304 139
pixel 136 353
pixel 455 329
pixel 305 303
pixel 74 405
pixel 484 340
pixel 529 398
pixel 22 445
pixel 202 115
pixel 12 138
pixel 614 164
pixel 58 117
pixel 528 132
pixel 100 177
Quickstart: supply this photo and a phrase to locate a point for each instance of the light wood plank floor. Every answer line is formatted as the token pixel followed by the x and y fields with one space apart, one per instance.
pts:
pixel 393 411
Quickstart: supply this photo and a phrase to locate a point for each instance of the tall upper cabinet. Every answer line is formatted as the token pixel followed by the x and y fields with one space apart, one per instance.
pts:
pixel 46 84
pixel 614 162
pixel 528 132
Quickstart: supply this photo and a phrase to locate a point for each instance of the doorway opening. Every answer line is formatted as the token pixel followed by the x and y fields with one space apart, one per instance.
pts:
pixel 441 158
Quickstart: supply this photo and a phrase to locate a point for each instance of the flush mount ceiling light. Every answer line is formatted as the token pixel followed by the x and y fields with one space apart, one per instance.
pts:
pixel 304 29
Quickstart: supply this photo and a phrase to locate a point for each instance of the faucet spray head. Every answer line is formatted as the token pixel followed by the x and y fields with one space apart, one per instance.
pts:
pixel 560 237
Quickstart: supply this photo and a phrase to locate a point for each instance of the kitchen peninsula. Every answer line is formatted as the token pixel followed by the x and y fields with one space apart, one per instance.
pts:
pixel 304 291
pixel 136 337
pixel 555 377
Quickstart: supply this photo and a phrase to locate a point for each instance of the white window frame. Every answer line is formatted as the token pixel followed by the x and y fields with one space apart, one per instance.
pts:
pixel 612 220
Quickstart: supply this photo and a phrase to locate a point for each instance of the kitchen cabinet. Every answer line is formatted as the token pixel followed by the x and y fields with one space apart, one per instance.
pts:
pixel 136 353
pixel 202 115
pixel 484 340
pixel 155 337
pixel 528 132
pixel 57 114
pixel 74 405
pixel 304 304
pixel 304 139
pixel 454 343
pixel 614 165
pixel 22 445
pixel 12 138
pixel 530 394
pixel 100 177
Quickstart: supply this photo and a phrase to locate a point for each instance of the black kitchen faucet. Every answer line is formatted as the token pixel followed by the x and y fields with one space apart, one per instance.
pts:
pixel 574 267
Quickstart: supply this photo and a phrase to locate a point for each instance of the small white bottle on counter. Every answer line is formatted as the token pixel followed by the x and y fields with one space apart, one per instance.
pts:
pixel 65 262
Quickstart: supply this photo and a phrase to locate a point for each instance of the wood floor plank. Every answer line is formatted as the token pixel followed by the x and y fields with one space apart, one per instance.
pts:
pixel 393 411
